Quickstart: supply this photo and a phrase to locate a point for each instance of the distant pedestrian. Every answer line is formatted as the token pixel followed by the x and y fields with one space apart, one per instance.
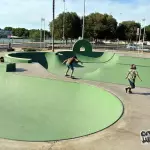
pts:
pixel 9 46
pixel 1 59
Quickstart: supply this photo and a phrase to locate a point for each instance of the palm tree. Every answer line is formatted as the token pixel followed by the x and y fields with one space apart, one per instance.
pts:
pixel 53 25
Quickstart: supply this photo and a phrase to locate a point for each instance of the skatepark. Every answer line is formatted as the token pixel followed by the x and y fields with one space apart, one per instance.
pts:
pixel 87 112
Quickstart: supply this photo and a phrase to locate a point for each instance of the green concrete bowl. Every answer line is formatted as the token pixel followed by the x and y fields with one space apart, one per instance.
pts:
pixel 36 109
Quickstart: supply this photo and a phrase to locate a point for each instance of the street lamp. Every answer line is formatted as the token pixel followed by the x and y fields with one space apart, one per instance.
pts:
pixel 118 41
pixel 53 25
pixel 144 29
pixel 42 20
pixel 44 32
pixel 64 23
pixel 83 22
pixel 41 34
pixel 140 33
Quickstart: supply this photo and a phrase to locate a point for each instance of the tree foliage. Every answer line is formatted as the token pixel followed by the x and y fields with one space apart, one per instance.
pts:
pixel 99 26
pixel 127 30
pixel 72 26
pixel 8 28
pixel 20 32
pixel 33 34
pixel 147 31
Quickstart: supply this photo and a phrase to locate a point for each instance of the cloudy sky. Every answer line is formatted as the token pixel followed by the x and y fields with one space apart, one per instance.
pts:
pixel 27 13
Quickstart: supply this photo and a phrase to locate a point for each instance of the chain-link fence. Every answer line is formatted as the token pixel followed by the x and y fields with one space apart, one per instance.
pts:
pixel 60 44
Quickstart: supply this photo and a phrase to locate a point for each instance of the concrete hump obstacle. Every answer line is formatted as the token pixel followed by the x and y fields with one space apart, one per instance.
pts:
pixel 82 44
pixel 7 67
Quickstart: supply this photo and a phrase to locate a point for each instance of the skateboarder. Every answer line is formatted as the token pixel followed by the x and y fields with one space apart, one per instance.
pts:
pixel 131 78
pixel 69 63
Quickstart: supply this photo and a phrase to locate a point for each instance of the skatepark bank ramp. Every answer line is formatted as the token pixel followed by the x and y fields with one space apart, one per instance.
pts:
pixel 98 66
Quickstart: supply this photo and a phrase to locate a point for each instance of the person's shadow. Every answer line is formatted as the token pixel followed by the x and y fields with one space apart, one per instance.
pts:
pixel 75 78
pixel 146 94
pixel 20 70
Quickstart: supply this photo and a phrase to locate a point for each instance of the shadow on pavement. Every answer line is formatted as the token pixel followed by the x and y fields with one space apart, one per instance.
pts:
pixel 20 70
pixel 146 94
pixel 75 78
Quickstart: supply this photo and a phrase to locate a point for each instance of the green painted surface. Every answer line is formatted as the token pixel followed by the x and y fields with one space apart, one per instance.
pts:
pixel 36 109
pixel 108 67
pixel 82 43
pixel 98 66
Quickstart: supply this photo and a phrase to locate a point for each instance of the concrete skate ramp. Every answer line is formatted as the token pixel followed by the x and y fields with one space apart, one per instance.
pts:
pixel 97 66
pixel 107 67
pixel 36 109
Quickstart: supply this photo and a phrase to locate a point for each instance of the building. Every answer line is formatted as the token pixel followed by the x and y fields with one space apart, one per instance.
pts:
pixel 5 33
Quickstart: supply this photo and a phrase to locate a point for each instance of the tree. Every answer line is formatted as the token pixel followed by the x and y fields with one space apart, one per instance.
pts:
pixel 100 26
pixel 72 26
pixel 20 32
pixel 34 35
pixel 147 31
pixel 8 28
pixel 127 30
pixel 111 26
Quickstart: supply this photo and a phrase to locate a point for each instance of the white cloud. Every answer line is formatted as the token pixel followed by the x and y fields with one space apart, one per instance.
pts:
pixel 27 13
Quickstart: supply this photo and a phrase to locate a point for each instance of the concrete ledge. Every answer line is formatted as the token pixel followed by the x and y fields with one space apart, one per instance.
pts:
pixel 9 58
pixel 7 67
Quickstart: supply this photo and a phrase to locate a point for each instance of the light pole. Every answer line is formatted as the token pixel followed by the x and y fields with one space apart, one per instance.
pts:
pixel 42 20
pixel 139 37
pixel 44 32
pixel 53 25
pixel 64 23
pixel 144 30
pixel 118 38
pixel 83 21
pixel 41 34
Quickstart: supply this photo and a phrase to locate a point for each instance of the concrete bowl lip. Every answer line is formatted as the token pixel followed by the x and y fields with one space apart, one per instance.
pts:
pixel 17 58
pixel 83 83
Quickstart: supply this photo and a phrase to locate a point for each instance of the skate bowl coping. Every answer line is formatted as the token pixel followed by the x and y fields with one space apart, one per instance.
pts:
pixel 17 58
